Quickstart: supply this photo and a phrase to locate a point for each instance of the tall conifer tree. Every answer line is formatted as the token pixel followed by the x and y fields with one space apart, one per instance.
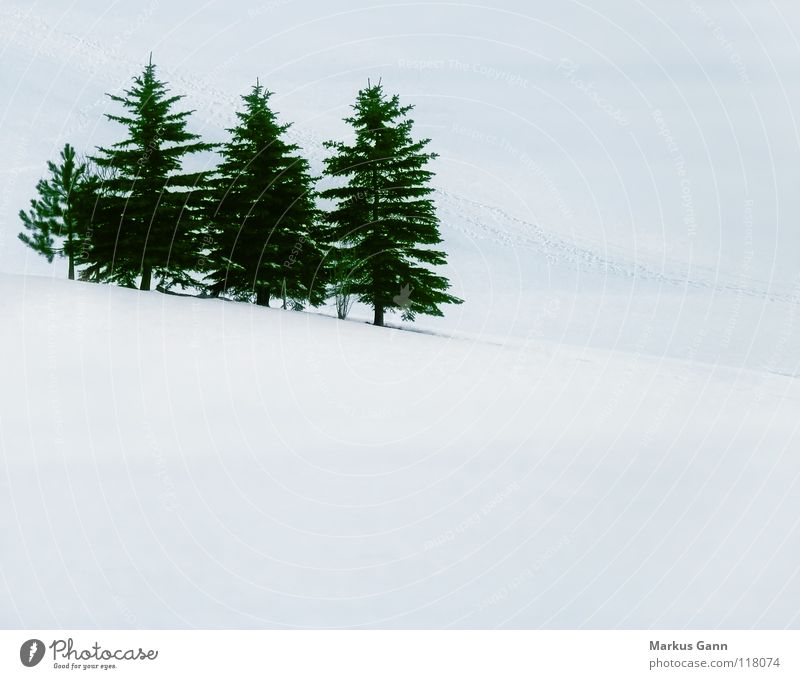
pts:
pixel 384 214
pixel 262 213
pixel 142 226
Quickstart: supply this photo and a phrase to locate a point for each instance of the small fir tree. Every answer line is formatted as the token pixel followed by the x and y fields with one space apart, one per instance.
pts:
pixel 53 223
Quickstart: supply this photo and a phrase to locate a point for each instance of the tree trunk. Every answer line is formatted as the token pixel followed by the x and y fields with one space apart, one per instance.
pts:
pixel 70 256
pixel 262 297
pixel 378 320
pixel 147 275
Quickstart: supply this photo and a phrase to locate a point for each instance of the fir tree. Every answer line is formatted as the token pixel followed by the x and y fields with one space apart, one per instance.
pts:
pixel 262 215
pixel 53 221
pixel 384 215
pixel 142 223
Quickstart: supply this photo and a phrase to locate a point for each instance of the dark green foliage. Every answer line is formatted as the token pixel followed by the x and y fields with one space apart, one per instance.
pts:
pixel 142 223
pixel 93 208
pixel 262 214
pixel 53 223
pixel 384 215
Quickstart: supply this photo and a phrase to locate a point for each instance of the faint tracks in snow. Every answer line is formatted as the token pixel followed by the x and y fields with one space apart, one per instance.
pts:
pixel 481 221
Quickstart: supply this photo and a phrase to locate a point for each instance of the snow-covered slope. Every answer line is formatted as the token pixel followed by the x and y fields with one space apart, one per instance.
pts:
pixel 605 432
pixel 522 281
pixel 171 462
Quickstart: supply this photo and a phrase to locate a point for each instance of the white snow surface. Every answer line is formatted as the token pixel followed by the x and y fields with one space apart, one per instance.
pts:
pixel 180 462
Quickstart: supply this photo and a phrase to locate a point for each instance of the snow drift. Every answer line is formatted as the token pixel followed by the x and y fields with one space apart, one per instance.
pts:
pixel 174 462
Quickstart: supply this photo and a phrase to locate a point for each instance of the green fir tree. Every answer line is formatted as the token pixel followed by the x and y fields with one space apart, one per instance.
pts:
pixel 143 223
pixel 262 215
pixel 385 220
pixel 53 222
